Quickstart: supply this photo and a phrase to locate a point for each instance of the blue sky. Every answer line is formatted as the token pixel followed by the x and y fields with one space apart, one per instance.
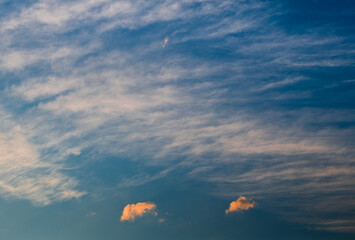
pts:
pixel 192 119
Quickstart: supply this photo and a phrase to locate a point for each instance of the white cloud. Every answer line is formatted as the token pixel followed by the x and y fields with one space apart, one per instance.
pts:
pixel 12 59
pixel 90 214
pixel 124 101
pixel 51 12
pixel 23 175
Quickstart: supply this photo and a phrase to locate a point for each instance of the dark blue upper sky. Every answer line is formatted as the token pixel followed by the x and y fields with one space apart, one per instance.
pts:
pixel 170 119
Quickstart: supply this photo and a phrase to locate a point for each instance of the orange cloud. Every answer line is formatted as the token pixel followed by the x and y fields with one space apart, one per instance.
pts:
pixel 131 211
pixel 242 203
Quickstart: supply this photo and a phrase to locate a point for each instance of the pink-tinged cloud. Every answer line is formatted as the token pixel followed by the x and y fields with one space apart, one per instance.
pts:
pixel 165 42
pixel 131 211
pixel 242 203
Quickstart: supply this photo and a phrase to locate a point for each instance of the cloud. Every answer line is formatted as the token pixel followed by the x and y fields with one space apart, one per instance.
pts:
pixel 78 91
pixel 165 42
pixel 57 15
pixel 242 203
pixel 90 214
pixel 52 13
pixel 343 225
pixel 131 211
pixel 24 175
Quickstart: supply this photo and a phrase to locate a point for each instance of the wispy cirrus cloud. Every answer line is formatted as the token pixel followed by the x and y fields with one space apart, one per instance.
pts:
pixel 127 14
pixel 24 175
pixel 262 106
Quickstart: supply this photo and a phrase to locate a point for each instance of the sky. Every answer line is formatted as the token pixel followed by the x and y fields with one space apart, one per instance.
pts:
pixel 179 120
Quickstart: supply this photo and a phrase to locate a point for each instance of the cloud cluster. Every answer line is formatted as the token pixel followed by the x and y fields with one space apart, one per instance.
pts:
pixel 69 89
pixel 242 203
pixel 131 211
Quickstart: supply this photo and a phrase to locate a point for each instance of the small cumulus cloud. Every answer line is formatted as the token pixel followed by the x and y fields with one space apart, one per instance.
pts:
pixel 131 211
pixel 242 203
pixel 90 214
pixel 165 42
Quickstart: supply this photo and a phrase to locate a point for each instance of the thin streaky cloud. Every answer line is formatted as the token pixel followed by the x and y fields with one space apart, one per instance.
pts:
pixel 263 110
pixel 24 175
